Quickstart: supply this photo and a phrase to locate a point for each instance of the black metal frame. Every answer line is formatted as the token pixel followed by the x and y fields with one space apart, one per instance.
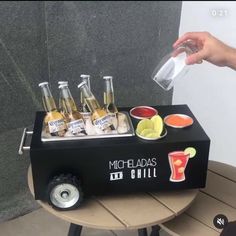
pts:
pixel 75 230
pixel 155 230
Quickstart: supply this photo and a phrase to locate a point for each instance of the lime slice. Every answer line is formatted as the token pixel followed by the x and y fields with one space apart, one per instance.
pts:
pixel 158 124
pixel 146 132
pixel 144 124
pixel 152 135
pixel 191 151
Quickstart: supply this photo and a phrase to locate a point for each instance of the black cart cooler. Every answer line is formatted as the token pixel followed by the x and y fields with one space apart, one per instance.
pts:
pixel 114 165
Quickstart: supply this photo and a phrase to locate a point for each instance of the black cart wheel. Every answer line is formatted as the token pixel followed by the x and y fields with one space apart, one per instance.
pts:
pixel 64 192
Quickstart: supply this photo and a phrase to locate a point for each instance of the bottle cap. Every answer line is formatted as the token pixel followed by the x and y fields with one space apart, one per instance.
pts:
pixel 84 76
pixel 62 82
pixel 107 77
pixel 81 84
pixel 42 84
pixel 63 85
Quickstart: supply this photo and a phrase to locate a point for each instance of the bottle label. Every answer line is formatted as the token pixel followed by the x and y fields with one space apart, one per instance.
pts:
pixel 103 122
pixel 76 126
pixel 112 115
pixel 56 126
pixel 86 115
pixel 114 121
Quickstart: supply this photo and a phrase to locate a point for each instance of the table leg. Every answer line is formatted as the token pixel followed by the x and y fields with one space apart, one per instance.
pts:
pixel 155 230
pixel 75 230
pixel 142 232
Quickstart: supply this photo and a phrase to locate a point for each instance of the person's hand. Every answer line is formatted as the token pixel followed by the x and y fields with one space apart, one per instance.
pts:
pixel 209 48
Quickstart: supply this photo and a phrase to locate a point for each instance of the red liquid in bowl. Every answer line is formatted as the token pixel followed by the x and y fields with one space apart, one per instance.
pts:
pixel 143 112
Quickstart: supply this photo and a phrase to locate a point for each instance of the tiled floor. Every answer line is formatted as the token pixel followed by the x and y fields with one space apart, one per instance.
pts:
pixel 41 223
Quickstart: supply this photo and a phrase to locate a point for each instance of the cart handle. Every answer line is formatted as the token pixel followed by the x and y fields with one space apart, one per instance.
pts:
pixel 23 139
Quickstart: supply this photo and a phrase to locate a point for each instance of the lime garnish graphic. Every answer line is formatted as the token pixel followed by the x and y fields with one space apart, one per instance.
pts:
pixel 191 151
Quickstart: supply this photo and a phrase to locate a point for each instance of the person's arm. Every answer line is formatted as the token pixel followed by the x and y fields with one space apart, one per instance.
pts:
pixel 231 61
pixel 210 49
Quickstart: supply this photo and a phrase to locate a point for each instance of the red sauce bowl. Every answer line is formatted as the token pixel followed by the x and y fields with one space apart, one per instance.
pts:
pixel 142 112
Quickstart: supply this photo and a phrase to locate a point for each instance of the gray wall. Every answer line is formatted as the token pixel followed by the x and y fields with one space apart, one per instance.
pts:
pixel 51 41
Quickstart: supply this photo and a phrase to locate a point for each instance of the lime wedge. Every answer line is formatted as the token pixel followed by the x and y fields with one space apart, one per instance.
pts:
pixel 144 124
pixel 158 124
pixel 152 135
pixel 146 132
pixel 191 151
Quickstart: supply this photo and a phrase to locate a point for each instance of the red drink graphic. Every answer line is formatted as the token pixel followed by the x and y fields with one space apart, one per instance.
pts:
pixel 178 162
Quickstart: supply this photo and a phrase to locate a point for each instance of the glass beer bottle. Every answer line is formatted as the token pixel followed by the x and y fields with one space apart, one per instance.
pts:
pixel 54 121
pixel 60 97
pixel 100 117
pixel 109 99
pixel 73 117
pixel 86 79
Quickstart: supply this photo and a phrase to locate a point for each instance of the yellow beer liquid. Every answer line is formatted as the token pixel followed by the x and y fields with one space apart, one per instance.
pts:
pixel 49 104
pixel 94 107
pixel 73 116
pixel 109 104
pixel 70 110
pixel 61 110
pixel 68 106
pixel 98 113
pixel 82 100
pixel 92 104
pixel 84 106
pixel 52 114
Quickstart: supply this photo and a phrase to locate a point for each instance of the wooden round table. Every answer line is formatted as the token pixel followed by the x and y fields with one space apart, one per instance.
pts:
pixel 124 212
pixel 216 199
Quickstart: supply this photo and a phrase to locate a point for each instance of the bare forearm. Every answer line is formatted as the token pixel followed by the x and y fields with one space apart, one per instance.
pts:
pixel 210 49
pixel 231 58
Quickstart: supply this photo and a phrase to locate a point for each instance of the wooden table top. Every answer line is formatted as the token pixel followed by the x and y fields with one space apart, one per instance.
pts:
pixel 133 211
pixel 219 197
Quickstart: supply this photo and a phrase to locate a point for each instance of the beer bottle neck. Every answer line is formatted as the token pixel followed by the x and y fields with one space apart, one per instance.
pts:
pixel 68 103
pixel 109 97
pixel 86 79
pixel 108 85
pixel 89 98
pixel 48 100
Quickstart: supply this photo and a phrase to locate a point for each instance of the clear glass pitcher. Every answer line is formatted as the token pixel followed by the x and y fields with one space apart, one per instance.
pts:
pixel 173 66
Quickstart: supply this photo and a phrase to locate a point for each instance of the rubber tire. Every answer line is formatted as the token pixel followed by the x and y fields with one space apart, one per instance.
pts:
pixel 64 179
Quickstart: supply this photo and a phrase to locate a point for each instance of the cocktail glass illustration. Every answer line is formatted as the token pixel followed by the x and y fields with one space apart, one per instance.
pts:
pixel 178 161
